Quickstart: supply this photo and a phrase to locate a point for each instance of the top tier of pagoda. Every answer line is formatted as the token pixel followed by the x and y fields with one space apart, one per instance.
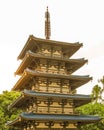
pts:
pixel 50 48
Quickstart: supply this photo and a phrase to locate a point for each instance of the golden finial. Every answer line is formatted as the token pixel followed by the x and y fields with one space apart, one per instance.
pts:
pixel 47 24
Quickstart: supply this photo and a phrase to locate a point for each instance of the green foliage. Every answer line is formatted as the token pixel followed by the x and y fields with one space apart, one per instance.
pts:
pixel 97 93
pixel 93 109
pixel 6 115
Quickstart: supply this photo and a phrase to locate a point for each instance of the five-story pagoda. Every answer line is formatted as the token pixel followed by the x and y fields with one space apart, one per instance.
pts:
pixel 48 100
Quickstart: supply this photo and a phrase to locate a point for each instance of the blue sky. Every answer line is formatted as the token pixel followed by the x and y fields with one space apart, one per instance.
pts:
pixel 71 21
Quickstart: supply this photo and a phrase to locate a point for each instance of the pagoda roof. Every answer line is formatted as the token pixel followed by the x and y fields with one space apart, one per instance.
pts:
pixel 28 75
pixel 33 42
pixel 31 57
pixel 28 95
pixel 24 117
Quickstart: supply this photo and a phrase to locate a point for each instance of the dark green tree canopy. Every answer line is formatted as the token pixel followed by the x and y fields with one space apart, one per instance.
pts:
pixel 6 115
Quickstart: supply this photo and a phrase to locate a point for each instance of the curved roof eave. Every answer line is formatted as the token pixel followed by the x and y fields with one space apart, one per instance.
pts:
pixel 33 40
pixel 28 94
pixel 30 56
pixel 57 118
pixel 28 74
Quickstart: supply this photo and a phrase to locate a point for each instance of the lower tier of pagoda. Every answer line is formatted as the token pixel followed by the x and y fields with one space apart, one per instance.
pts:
pixel 41 102
pixel 30 121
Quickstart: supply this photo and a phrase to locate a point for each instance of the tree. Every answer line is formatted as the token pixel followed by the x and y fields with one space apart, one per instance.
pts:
pixel 5 115
pixel 96 107
pixel 93 109
pixel 97 93
pixel 102 83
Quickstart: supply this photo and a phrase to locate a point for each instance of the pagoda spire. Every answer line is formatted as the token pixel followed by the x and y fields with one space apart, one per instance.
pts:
pixel 47 24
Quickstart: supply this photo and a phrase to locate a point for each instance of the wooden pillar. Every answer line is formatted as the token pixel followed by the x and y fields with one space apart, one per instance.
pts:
pixel 47 81
pixel 49 124
pixel 61 85
pixel 64 124
pixel 63 103
pixel 48 102
pixel 35 104
pixel 34 125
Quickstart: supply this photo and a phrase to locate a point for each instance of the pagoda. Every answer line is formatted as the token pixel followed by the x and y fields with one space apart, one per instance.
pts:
pixel 47 85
